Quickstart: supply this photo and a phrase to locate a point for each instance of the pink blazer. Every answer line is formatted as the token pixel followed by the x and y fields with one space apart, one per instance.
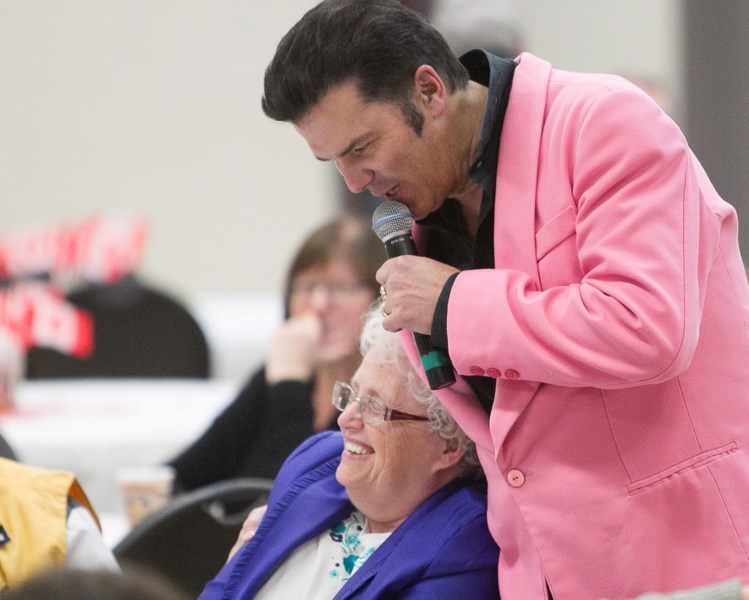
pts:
pixel 616 325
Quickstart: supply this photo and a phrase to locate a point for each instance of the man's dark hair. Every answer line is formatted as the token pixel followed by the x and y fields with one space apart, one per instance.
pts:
pixel 378 44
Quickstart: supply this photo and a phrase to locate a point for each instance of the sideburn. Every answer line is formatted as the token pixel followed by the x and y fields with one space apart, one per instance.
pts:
pixel 414 119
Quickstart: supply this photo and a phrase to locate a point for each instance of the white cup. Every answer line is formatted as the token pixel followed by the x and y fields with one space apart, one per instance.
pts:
pixel 144 489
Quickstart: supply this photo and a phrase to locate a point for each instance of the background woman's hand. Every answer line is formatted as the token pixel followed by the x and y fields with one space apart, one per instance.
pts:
pixel 293 350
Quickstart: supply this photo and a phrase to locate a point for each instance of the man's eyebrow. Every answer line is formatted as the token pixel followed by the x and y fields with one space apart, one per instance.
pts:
pixel 354 143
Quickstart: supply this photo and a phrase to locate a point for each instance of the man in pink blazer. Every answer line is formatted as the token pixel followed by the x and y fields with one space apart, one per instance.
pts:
pixel 581 272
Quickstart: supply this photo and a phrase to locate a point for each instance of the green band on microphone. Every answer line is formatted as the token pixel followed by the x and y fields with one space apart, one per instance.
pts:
pixel 434 360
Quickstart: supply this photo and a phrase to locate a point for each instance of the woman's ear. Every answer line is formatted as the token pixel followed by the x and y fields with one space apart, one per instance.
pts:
pixel 452 454
pixel 430 90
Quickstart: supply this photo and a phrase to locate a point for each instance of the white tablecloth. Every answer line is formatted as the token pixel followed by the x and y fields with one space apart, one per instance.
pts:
pixel 92 427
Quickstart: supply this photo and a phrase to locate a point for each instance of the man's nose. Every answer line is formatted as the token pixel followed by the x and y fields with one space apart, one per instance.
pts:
pixel 357 179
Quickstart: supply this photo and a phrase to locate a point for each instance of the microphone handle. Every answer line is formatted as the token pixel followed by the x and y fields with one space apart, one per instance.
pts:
pixel 401 244
pixel 436 362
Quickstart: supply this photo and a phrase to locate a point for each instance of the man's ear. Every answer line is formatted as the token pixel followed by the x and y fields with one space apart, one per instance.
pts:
pixel 430 90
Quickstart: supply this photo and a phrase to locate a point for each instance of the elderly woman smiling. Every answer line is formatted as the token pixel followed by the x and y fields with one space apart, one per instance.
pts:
pixel 392 506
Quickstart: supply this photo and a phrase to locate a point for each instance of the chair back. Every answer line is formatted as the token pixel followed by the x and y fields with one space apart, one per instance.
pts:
pixel 5 449
pixel 189 539
pixel 139 331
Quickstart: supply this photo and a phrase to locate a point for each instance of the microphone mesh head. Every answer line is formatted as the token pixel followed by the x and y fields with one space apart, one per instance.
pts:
pixel 391 218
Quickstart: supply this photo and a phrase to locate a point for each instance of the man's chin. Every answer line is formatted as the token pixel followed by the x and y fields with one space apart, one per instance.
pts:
pixel 420 210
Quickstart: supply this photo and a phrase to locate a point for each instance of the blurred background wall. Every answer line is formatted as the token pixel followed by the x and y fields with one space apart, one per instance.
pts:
pixel 152 107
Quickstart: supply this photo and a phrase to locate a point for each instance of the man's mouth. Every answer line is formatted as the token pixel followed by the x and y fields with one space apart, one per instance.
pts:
pixel 393 192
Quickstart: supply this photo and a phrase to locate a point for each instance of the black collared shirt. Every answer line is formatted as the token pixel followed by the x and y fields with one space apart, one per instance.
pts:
pixel 449 240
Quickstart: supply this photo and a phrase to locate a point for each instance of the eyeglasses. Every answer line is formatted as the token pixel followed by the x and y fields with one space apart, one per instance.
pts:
pixel 371 410
pixel 337 292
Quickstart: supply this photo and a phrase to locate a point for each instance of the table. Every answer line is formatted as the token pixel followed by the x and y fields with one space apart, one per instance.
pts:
pixel 92 427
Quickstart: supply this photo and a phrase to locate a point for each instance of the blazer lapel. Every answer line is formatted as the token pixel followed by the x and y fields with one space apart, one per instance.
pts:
pixel 458 398
pixel 517 170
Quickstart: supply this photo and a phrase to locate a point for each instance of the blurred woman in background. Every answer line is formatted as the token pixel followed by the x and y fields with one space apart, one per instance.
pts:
pixel 329 286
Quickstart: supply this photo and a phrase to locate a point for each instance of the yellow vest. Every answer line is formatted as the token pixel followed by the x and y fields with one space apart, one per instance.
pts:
pixel 33 518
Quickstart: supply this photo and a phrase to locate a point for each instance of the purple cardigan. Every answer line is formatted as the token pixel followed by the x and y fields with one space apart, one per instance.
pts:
pixel 442 550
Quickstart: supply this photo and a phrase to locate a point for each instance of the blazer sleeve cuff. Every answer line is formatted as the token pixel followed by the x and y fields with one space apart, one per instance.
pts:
pixel 439 320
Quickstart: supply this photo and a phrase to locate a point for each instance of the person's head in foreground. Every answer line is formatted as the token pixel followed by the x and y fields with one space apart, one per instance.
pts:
pixel 69 584
pixel 392 505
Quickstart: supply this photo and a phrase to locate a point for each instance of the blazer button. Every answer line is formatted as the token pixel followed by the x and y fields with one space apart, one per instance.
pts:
pixel 515 478
pixel 511 374
pixel 477 370
pixel 496 373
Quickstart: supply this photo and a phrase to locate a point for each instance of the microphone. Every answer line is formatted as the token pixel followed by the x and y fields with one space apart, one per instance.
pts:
pixel 392 222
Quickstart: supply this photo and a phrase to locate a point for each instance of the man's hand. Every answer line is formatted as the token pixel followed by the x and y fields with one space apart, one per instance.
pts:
pixel 413 285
